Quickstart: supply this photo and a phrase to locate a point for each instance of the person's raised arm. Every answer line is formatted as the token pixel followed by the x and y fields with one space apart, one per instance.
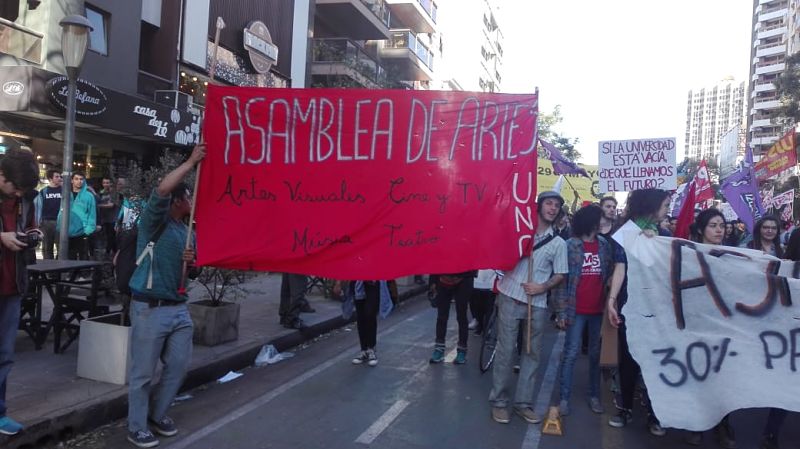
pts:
pixel 176 176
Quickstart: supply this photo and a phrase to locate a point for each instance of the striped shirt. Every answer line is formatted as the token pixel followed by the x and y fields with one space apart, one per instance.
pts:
pixel 548 260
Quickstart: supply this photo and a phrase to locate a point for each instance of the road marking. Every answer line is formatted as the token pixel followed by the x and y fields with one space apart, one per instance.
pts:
pixel 269 396
pixel 534 434
pixel 382 423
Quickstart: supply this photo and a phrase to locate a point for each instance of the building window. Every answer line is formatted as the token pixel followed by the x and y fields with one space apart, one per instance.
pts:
pixel 98 38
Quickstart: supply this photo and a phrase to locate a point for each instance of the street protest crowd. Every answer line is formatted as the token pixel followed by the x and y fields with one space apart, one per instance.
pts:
pixel 575 280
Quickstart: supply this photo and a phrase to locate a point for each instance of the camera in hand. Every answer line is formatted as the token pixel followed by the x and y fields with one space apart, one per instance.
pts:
pixel 31 239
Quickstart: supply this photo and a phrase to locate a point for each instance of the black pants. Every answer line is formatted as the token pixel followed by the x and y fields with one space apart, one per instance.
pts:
pixel 481 305
pixel 462 293
pixel 629 372
pixel 775 421
pixel 293 296
pixel 111 238
pixel 367 315
pixel 78 248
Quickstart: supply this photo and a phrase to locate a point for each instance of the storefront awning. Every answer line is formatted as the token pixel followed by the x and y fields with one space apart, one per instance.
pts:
pixel 38 94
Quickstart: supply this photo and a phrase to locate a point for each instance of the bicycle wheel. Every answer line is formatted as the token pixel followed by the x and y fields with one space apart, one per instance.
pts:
pixel 489 343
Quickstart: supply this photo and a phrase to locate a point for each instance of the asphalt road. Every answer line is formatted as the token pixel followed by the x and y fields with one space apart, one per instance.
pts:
pixel 318 399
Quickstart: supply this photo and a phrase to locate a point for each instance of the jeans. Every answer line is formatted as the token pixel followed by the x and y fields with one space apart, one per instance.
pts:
pixel 49 239
pixel 510 317
pixel 367 315
pixel 156 333
pixel 461 292
pixel 293 296
pixel 9 322
pixel 572 346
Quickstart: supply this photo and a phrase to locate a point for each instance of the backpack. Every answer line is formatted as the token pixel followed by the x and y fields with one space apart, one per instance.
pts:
pixel 125 261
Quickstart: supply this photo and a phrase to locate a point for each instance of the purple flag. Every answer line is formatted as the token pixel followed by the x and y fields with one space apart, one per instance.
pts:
pixel 741 191
pixel 561 165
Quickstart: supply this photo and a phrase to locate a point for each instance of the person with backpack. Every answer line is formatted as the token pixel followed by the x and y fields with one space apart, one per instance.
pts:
pixel 446 288
pixel 530 280
pixel 161 327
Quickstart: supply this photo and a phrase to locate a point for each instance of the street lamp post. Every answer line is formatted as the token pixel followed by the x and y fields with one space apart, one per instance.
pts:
pixel 74 42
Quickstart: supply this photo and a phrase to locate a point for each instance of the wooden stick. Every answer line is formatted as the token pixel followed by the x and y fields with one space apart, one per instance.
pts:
pixel 530 301
pixel 184 272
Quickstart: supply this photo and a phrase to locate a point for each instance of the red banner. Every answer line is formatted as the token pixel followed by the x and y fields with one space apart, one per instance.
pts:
pixel 366 184
pixel 781 156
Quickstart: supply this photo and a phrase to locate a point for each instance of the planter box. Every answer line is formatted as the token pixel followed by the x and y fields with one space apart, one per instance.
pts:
pixel 103 349
pixel 214 325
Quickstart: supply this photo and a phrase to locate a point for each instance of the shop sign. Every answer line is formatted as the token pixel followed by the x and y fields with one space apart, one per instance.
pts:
pixel 13 88
pixel 90 100
pixel 258 43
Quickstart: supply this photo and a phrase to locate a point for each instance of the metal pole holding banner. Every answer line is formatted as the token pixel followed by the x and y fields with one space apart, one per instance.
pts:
pixel 211 71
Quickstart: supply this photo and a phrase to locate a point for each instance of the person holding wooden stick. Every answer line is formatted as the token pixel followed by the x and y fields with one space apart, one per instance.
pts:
pixel 523 302
pixel 161 327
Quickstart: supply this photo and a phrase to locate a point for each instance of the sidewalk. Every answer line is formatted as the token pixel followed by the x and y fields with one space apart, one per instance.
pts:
pixel 45 394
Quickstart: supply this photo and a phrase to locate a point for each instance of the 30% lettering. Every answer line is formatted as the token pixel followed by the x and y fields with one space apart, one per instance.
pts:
pixel 699 361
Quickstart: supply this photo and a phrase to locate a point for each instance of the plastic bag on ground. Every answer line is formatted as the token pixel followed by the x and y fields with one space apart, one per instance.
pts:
pixel 269 355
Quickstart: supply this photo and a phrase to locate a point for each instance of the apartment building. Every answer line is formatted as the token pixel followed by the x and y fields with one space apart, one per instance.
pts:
pixel 374 43
pixel 471 59
pixel 710 113
pixel 770 45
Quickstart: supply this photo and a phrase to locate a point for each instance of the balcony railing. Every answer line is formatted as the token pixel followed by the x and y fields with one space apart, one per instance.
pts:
pixel 407 39
pixel 429 8
pixel 346 51
pixel 379 8
pixel 148 84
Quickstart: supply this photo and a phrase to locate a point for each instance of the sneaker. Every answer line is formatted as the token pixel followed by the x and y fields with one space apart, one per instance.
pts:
pixel 473 324
pixel 563 408
pixel 461 357
pixel 9 427
pixel 694 438
pixel 596 406
pixel 621 419
pixel 655 428
pixel 501 415
pixel 437 356
pixel 142 438
pixel 372 359
pixel 164 426
pixel 769 442
pixel 361 358
pixel 528 415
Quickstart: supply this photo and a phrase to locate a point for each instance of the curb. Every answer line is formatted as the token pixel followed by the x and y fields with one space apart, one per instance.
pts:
pixel 93 415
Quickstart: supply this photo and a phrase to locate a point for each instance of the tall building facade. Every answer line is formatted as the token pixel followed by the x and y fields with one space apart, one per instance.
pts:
pixel 710 113
pixel 472 46
pixel 770 40
pixel 374 43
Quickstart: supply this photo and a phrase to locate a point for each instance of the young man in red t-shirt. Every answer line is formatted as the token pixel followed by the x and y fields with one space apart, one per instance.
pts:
pixel 581 304
pixel 18 176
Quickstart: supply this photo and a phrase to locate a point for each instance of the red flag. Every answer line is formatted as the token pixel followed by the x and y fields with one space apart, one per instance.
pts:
pixel 686 216
pixel 702 182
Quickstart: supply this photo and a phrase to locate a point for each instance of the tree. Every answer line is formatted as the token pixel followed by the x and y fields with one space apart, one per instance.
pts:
pixel 547 124
pixel 788 89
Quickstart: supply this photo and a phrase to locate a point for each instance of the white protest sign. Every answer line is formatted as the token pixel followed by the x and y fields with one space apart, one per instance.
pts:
pixel 627 165
pixel 728 152
pixel 728 212
pixel 713 328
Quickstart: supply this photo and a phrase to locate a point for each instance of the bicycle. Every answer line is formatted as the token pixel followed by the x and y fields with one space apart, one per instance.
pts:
pixel 488 342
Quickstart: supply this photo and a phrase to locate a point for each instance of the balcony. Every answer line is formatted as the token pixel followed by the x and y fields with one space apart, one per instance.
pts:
pixel 771 31
pixel 418 15
pixel 766 104
pixel 406 57
pixel 355 19
pixel 769 68
pixel 770 50
pixel 342 62
pixel 760 123
pixel 770 14
pixel 762 87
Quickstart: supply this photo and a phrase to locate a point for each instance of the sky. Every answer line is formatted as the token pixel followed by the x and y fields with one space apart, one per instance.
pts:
pixel 622 69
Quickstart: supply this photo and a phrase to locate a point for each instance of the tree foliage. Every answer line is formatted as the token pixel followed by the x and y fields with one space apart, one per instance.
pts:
pixel 788 88
pixel 547 131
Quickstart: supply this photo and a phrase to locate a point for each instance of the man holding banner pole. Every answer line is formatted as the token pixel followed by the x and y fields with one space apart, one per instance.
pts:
pixel 548 265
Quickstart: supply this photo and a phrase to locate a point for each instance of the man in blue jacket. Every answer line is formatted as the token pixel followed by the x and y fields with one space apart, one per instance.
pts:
pixel 82 218
pixel 161 327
